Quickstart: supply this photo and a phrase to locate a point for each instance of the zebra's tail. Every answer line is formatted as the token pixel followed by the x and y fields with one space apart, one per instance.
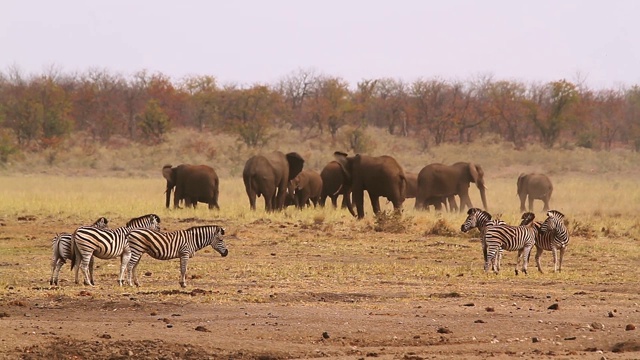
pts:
pixel 72 251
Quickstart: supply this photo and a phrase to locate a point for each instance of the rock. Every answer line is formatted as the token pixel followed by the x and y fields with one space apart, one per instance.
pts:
pixel 202 328
pixel 479 321
pixel 535 339
pixel 610 314
pixel 554 306
pixel 489 309
pixel 630 327
pixel 597 326
pixel 325 335
pixel 444 330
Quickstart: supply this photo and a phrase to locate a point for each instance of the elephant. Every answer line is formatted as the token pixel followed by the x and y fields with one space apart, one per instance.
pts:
pixel 305 188
pixel 436 201
pixel 447 180
pixel 269 175
pixel 334 184
pixel 379 176
pixel 535 186
pixel 193 184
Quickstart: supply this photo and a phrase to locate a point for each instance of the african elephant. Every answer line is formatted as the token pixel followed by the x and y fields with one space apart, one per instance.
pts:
pixel 436 201
pixel 193 184
pixel 535 186
pixel 305 187
pixel 334 184
pixel 379 176
pixel 447 180
pixel 269 175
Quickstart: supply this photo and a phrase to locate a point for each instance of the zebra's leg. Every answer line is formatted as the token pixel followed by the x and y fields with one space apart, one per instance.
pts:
pixel 539 252
pixel 520 252
pixel 84 266
pixel 91 266
pixel 132 267
pixel 54 265
pixel 124 261
pixel 560 258
pixel 554 252
pixel 56 272
pixel 525 258
pixel 183 270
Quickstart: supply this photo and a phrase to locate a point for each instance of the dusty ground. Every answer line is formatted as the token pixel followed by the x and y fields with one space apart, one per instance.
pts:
pixel 234 316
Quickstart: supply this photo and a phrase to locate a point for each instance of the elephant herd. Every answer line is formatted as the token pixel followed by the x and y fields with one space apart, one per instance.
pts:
pixel 282 181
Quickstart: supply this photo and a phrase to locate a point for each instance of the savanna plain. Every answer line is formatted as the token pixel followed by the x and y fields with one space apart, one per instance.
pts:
pixel 318 283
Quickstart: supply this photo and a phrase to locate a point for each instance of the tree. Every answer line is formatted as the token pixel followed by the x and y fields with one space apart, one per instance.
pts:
pixel 250 113
pixel 203 101
pixel 506 109
pixel 153 122
pixel 549 108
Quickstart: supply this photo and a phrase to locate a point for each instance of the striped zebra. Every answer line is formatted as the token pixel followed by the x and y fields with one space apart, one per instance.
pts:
pixel 552 236
pixel 478 218
pixel 107 244
pixel 61 246
pixel 510 238
pixel 181 244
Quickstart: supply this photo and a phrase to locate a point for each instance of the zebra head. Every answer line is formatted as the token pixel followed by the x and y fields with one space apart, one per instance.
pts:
pixel 149 221
pixel 475 217
pixel 101 223
pixel 527 218
pixel 218 242
pixel 554 221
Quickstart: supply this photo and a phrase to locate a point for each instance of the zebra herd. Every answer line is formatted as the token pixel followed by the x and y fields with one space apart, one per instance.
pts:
pixel 138 236
pixel 497 236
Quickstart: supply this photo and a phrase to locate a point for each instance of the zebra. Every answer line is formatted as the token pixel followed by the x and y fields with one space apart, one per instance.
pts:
pixel 510 238
pixel 478 218
pixel 61 246
pixel 181 244
pixel 552 236
pixel 107 244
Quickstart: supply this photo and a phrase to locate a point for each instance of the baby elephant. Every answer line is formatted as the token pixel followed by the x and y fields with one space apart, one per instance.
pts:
pixel 535 186
pixel 305 187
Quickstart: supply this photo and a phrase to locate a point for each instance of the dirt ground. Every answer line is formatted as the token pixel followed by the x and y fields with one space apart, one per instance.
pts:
pixel 380 319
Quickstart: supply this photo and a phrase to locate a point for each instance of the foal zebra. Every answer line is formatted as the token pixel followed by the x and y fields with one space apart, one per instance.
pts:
pixel 181 244
pixel 510 238
pixel 62 248
pixel 478 218
pixel 107 244
pixel 552 236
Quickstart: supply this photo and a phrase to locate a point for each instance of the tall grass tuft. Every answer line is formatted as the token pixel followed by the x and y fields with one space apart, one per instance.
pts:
pixel 391 221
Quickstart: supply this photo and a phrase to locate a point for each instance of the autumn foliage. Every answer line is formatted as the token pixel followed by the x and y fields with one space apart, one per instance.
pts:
pixel 38 111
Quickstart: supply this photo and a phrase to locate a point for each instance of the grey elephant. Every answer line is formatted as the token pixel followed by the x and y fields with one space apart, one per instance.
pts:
pixel 437 180
pixel 437 201
pixel 269 175
pixel 379 176
pixel 193 184
pixel 535 186
pixel 305 188
pixel 334 184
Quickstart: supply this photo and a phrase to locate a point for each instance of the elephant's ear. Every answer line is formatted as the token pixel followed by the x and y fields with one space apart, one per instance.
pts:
pixel 341 159
pixel 166 172
pixel 477 174
pixel 521 181
pixel 296 163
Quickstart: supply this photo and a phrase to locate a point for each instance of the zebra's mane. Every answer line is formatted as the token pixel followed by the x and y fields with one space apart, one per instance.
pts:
pixel 156 217
pixel 556 213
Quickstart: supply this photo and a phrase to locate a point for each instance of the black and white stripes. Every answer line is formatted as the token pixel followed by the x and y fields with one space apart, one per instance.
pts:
pixel 90 241
pixel 552 236
pixel 181 244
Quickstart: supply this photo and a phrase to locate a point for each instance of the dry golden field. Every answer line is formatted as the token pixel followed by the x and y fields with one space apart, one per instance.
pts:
pixel 318 283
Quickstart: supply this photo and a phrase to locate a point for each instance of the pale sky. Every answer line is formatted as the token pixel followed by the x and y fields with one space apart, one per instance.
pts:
pixel 261 41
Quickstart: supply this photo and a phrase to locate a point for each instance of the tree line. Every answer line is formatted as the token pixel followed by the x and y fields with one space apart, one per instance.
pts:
pixel 39 111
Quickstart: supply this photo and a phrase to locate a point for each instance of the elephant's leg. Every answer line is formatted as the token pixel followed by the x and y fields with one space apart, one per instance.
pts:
pixel 453 206
pixel 538 256
pixel 465 200
pixel 546 203
pixel 530 203
pixel 523 198
pixel 375 203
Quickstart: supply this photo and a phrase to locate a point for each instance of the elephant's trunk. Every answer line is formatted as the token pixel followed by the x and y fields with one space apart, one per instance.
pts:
pixel 168 192
pixel 483 195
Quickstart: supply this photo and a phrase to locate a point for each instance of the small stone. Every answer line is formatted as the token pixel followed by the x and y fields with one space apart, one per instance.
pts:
pixel 597 326
pixel 630 327
pixel 535 339
pixel 325 335
pixel 479 321
pixel 489 309
pixel 611 314
pixel 169 326
pixel 469 304
pixel 148 273
pixel 444 330
pixel 570 338
pixel 202 328
pixel 554 306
